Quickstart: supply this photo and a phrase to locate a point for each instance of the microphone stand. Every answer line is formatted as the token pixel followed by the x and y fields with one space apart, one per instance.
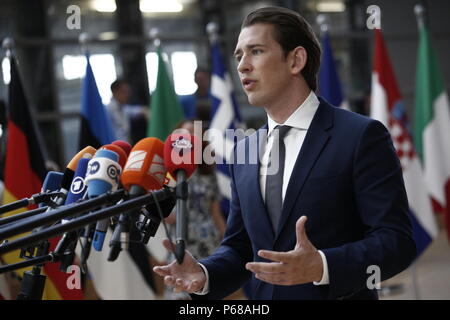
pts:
pixel 79 222
pixel 33 282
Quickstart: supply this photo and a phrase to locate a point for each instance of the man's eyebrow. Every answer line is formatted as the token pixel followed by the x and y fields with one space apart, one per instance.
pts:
pixel 249 46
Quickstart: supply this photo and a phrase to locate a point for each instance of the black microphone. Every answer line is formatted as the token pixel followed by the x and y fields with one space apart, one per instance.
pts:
pixel 143 172
pixel 152 218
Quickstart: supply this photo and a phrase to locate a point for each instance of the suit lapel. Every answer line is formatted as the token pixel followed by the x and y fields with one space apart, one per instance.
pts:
pixel 315 140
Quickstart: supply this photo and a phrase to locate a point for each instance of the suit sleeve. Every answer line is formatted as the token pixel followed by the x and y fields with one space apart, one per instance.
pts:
pixel 382 206
pixel 226 267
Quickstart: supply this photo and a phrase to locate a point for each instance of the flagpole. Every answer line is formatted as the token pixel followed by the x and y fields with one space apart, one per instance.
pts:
pixel 154 35
pixel 84 40
pixel 8 45
pixel 419 10
pixel 212 28
pixel 322 21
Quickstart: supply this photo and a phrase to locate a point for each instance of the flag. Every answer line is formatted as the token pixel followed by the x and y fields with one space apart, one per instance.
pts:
pixel 165 108
pixel 97 130
pixel 96 125
pixel 432 127
pixel 23 174
pixel 387 106
pixel 329 83
pixel 224 115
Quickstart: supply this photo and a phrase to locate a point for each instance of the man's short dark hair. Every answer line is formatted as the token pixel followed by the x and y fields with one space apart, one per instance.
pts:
pixel 202 69
pixel 291 30
pixel 116 84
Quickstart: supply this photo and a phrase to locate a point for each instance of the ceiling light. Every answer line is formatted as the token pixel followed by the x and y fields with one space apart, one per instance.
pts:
pixel 331 6
pixel 160 6
pixel 104 5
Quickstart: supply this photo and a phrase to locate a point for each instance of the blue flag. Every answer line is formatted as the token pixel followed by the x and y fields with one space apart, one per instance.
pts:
pixel 96 126
pixel 224 115
pixel 329 84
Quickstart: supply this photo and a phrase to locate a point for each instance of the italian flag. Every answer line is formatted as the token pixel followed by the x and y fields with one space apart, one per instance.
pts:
pixel 387 106
pixel 432 127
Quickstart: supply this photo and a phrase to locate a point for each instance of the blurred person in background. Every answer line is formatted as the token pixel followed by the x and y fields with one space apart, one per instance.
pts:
pixel 198 104
pixel 122 113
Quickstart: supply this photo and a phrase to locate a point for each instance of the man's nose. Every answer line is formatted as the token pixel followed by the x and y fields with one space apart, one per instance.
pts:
pixel 244 65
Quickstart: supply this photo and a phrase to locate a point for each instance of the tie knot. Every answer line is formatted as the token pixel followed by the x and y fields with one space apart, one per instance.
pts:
pixel 282 131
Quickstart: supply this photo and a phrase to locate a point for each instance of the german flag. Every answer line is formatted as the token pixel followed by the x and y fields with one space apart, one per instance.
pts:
pixel 24 172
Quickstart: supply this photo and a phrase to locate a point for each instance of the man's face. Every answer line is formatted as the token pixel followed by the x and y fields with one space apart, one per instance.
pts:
pixel 202 81
pixel 122 93
pixel 262 67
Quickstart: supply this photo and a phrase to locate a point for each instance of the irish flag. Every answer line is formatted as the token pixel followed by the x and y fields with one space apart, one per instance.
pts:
pixel 387 106
pixel 432 127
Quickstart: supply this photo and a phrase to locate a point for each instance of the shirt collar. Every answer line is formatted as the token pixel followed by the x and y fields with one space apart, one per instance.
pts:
pixel 301 118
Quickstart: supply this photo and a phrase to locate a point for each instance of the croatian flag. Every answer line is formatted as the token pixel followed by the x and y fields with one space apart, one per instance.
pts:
pixel 387 106
pixel 329 84
pixel 224 115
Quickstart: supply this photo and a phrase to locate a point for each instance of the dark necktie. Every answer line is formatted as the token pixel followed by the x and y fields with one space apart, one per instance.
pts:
pixel 274 180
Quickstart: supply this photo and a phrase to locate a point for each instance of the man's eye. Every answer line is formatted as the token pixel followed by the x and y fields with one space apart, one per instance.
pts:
pixel 256 51
pixel 238 58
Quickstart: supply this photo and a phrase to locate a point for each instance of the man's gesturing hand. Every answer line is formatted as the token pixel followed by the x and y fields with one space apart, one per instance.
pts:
pixel 188 276
pixel 298 266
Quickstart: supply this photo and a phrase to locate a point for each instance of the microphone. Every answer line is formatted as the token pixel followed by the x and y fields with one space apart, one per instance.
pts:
pixel 124 145
pixel 51 183
pixel 102 226
pixel 66 245
pixel 102 176
pixel 143 172
pixel 69 172
pixel 78 187
pixel 150 224
pixel 179 154
pixel 120 152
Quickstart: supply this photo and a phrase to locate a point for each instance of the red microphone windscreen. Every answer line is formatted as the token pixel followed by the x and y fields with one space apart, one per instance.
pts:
pixel 179 153
pixel 145 165
pixel 124 145
pixel 119 151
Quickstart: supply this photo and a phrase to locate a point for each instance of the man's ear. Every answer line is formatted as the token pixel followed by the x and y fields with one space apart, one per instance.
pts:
pixel 298 59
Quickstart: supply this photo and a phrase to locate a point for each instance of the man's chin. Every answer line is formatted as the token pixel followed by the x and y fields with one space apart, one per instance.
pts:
pixel 254 102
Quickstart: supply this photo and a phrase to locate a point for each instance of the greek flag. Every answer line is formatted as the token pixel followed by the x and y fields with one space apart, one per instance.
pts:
pixel 224 115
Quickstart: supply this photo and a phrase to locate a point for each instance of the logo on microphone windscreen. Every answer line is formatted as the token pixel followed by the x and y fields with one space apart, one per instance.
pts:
pixel 113 173
pixel 93 167
pixel 182 144
pixel 135 160
pixel 77 185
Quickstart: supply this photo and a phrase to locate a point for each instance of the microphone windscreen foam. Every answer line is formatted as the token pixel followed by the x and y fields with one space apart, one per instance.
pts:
pixel 88 152
pixel 145 165
pixel 52 181
pixel 102 174
pixel 179 153
pixel 124 145
pixel 117 149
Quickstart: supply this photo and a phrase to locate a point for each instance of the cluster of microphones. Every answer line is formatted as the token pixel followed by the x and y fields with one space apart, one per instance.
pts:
pixel 128 189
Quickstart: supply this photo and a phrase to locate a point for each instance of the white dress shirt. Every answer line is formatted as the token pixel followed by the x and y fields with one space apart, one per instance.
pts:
pixel 293 140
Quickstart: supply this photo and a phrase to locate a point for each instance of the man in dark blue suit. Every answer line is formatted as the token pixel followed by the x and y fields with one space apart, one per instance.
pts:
pixel 324 206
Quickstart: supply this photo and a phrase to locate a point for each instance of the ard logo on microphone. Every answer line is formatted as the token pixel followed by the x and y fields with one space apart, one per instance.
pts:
pixel 77 185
